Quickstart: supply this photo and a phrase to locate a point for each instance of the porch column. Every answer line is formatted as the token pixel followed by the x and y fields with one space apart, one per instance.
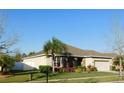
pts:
pixel 61 64
pixel 56 62
pixel 67 62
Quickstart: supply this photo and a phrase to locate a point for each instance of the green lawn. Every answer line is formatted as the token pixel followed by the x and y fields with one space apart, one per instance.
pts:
pixel 78 75
pixel 90 80
pixel 20 77
pixel 24 77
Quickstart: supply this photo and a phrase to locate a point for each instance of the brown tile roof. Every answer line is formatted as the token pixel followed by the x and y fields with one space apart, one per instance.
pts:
pixel 79 52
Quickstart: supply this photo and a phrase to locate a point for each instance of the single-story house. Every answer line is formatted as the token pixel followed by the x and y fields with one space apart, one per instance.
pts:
pixel 73 57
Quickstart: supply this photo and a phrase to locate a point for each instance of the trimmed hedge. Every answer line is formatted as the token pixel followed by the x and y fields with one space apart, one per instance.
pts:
pixel 45 69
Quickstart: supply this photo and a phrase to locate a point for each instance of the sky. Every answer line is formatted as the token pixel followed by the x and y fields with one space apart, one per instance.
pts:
pixel 85 29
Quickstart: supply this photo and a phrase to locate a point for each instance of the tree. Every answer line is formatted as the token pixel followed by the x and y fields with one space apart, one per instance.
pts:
pixel 6 43
pixel 31 53
pixel 18 57
pixel 24 55
pixel 117 43
pixel 6 62
pixel 116 60
pixel 53 47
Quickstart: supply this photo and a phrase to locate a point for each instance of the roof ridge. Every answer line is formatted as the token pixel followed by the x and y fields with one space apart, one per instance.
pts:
pixel 81 52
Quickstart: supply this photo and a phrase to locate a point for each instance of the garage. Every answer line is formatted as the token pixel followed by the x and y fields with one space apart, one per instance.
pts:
pixel 102 65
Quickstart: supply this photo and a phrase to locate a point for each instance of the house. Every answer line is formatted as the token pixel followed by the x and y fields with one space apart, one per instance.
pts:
pixel 73 57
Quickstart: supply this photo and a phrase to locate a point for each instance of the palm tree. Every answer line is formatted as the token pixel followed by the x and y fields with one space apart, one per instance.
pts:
pixel 53 47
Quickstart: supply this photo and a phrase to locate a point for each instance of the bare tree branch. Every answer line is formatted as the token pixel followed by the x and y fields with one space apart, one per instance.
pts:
pixel 5 44
pixel 117 43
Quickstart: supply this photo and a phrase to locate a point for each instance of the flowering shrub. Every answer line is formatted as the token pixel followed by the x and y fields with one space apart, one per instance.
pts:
pixel 78 70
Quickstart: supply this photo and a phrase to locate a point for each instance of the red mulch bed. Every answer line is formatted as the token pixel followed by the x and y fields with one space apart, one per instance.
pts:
pixel 69 69
pixel 6 74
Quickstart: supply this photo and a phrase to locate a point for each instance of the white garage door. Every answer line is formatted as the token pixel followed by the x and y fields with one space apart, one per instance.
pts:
pixel 102 66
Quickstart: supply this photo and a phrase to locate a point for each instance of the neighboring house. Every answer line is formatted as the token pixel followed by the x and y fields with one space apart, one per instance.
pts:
pixel 73 57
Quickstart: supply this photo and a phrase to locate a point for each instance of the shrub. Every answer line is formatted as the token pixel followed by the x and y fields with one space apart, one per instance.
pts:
pixel 117 60
pixel 88 68
pixel 113 68
pixel 91 68
pixel 95 69
pixel 61 70
pixel 45 69
pixel 78 70
pixel 83 68
pixel 117 68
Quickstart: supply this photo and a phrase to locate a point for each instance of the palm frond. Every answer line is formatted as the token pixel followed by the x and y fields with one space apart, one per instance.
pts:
pixel 54 46
pixel 47 47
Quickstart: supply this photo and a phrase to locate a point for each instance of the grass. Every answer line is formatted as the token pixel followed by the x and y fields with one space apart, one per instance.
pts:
pixel 90 80
pixel 17 78
pixel 24 77
pixel 20 77
pixel 78 75
pixel 83 74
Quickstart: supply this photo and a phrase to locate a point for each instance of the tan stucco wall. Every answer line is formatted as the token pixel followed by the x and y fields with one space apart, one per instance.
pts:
pixel 105 66
pixel 89 61
pixel 35 62
pixel 31 63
